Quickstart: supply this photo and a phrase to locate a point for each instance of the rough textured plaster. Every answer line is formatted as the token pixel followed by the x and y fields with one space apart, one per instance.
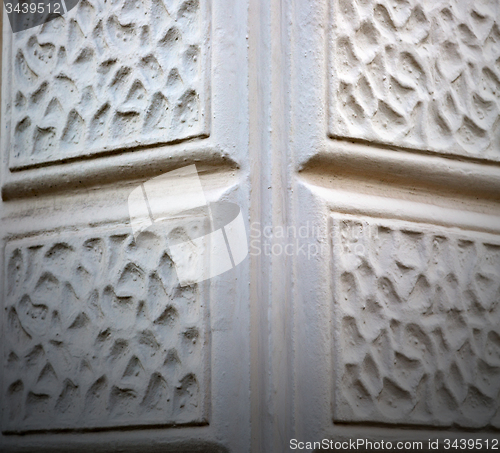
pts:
pixel 75 193
pixel 417 318
pixel 309 377
pixel 98 333
pixel 106 76
pixel 423 184
pixel 422 75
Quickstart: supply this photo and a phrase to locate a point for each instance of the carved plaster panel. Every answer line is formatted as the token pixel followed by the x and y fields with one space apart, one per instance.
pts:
pixel 108 76
pixel 415 74
pixel 417 324
pixel 98 333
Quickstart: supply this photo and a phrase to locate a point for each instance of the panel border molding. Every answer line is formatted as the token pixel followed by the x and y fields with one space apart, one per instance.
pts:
pixel 128 259
pixel 386 268
pixel 141 150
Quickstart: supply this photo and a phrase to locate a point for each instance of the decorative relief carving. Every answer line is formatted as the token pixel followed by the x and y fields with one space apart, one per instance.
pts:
pixel 98 333
pixel 417 74
pixel 108 75
pixel 417 324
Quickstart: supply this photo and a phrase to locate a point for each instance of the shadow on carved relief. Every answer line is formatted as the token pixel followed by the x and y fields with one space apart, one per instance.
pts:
pixel 100 334
pixel 416 330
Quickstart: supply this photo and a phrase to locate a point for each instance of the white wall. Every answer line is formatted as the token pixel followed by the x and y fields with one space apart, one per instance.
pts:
pixel 364 134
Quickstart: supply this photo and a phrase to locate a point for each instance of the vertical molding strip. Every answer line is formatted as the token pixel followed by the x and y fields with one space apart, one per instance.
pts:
pixel 271 283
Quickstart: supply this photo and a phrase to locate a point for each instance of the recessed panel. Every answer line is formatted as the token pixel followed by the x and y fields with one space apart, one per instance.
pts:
pixel 98 333
pixel 421 75
pixel 416 324
pixel 108 75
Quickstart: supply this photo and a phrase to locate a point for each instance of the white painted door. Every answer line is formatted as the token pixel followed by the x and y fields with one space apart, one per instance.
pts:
pixel 394 150
pixel 102 348
pixel 359 140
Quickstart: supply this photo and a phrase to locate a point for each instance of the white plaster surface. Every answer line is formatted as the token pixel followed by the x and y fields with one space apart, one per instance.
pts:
pixel 416 327
pixel 68 242
pixel 385 142
pixel 108 75
pixel 417 74
pixel 280 346
pixel 99 333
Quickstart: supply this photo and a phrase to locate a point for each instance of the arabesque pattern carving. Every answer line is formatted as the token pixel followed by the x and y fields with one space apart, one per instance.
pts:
pixel 416 74
pixel 417 324
pixel 98 333
pixel 106 76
